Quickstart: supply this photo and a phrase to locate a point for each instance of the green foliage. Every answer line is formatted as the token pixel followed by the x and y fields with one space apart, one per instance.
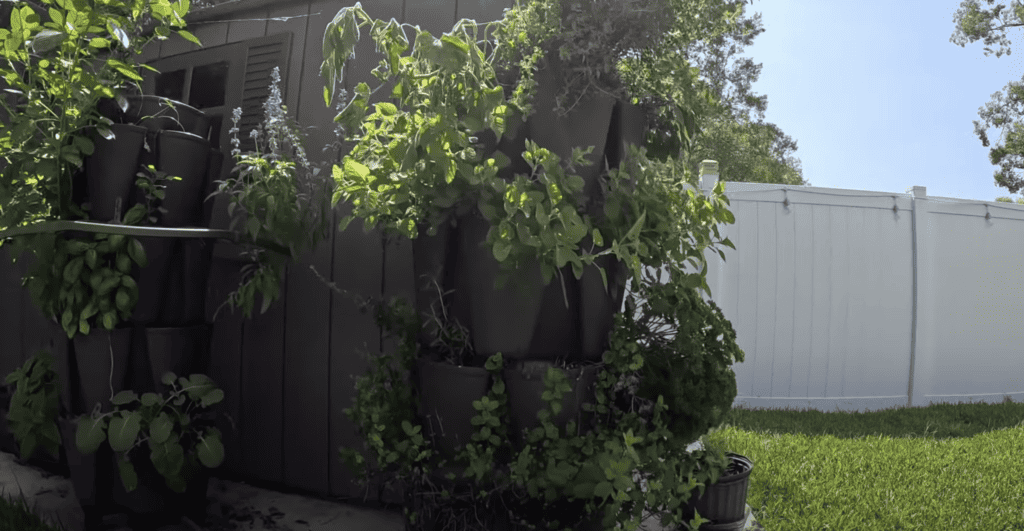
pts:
pixel 83 284
pixel 416 161
pixel 178 429
pixel 281 197
pixel 34 405
pixel 972 23
pixel 57 64
pixel 689 364
pixel 599 463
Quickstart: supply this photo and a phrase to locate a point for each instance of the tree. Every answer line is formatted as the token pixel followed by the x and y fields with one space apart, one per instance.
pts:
pixel 733 130
pixel 972 23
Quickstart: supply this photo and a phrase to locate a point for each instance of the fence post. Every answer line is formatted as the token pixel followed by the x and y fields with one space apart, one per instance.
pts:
pixel 708 175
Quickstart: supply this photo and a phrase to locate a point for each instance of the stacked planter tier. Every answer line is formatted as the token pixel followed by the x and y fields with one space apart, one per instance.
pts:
pixel 167 330
pixel 534 326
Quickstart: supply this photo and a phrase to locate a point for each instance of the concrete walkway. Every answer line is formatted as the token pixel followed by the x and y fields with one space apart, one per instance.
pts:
pixel 233 506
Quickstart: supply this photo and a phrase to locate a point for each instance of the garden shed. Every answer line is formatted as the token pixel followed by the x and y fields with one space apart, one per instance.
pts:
pixel 289 373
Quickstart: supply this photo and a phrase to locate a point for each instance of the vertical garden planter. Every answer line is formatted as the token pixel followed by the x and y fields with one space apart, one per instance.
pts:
pixel 183 351
pixel 447 393
pixel 95 355
pixel 184 155
pixel 724 502
pixel 110 171
pixel 524 383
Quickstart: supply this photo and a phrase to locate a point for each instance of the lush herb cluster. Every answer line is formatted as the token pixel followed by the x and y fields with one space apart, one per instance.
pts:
pixel 34 405
pixel 55 74
pixel 178 429
pixel 280 197
pixel 627 454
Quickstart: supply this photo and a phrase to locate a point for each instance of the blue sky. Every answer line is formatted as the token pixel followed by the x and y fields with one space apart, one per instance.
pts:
pixel 876 95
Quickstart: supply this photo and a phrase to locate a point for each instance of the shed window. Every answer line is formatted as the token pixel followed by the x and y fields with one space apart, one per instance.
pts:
pixel 217 80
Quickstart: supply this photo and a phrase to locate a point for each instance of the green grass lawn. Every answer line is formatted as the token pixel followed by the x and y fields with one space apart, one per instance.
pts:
pixel 946 466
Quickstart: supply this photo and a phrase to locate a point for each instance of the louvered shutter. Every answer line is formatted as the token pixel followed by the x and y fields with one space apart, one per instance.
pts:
pixel 261 56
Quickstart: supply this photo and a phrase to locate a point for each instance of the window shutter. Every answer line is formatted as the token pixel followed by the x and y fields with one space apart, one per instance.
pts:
pixel 261 56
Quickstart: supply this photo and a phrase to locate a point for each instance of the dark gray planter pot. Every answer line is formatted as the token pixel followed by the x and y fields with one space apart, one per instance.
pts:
pixel 725 501
pixel 184 155
pixel 447 393
pixel 153 279
pixel 110 170
pixel 524 383
pixel 183 351
pixel 95 355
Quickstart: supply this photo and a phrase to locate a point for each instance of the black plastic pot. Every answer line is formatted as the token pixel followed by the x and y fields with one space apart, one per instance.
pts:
pixel 92 483
pixel 183 351
pixel 185 304
pixel 524 383
pixel 93 356
pixel 724 502
pixel 184 155
pixel 110 170
pixel 430 256
pixel 152 503
pixel 502 320
pixel 153 279
pixel 447 393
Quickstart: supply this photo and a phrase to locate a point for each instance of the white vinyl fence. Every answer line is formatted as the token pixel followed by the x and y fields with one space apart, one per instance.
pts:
pixel 861 301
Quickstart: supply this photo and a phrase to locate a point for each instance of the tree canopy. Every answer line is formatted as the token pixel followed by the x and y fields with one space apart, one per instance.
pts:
pixel 972 23
pixel 732 129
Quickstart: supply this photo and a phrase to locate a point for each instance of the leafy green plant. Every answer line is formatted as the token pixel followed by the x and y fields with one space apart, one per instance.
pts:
pixel 596 471
pixel 84 284
pixel 281 196
pixel 178 428
pixel 688 350
pixel 418 161
pixel 56 72
pixel 34 405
